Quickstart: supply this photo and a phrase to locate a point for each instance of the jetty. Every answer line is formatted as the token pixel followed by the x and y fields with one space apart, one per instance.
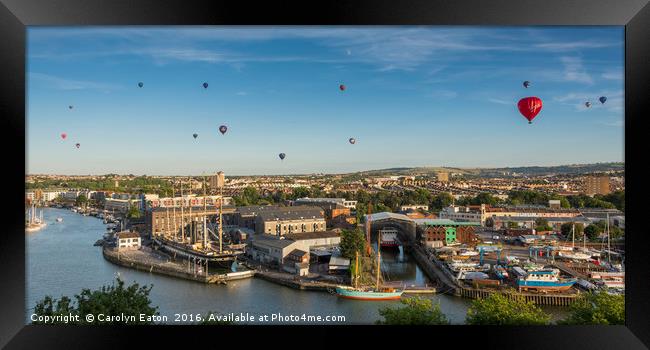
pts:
pixel 156 262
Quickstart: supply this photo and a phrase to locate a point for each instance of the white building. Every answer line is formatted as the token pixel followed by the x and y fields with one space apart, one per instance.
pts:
pixel 121 205
pixel 460 214
pixel 340 201
pixel 128 241
pixel 414 207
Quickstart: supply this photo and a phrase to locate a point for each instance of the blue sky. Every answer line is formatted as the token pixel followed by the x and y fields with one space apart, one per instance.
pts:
pixel 416 96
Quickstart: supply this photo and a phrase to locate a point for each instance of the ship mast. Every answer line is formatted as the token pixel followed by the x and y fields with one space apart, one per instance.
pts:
pixel 609 248
pixel 205 211
pixel 192 234
pixel 356 271
pixel 174 212
pixel 573 236
pixel 378 257
pixel 182 214
pixel 220 218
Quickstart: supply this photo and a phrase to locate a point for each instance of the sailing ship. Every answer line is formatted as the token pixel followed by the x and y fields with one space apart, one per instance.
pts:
pixel 194 242
pixel 34 223
pixel 369 293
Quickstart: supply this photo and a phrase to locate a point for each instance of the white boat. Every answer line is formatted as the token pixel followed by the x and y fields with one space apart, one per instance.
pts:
pixel 59 219
pixel 469 253
pixel 472 275
pixel 574 255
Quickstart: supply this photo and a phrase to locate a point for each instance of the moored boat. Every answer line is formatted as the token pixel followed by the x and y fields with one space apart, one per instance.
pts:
pixel 388 237
pixel 368 293
pixel 544 280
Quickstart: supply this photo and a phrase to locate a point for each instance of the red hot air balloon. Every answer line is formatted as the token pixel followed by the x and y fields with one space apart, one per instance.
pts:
pixel 342 87
pixel 529 107
pixel 64 135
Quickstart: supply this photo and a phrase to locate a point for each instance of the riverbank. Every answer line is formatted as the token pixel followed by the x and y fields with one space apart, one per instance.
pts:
pixel 434 268
pixel 154 262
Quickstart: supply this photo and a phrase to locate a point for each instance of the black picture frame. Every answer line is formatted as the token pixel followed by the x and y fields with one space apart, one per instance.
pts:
pixel 15 15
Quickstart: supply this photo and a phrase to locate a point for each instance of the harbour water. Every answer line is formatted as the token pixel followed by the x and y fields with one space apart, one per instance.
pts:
pixel 61 260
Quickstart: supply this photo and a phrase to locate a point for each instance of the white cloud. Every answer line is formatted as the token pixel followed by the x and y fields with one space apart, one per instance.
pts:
pixel 576 45
pixel 58 83
pixel 444 94
pixel 501 102
pixel 575 71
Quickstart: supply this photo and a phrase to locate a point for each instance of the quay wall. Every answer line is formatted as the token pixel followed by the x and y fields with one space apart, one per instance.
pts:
pixel 435 270
pixel 122 260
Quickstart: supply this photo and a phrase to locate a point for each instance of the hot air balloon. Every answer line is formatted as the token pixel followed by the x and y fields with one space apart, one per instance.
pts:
pixel 352 140
pixel 587 104
pixel 282 155
pixel 223 129
pixel 529 107
pixel 342 87
pixel 64 135
pixel 602 99
pixel 526 84
pixel 140 84
pixel 78 145
pixel 195 135
pixel 70 107
pixel 205 85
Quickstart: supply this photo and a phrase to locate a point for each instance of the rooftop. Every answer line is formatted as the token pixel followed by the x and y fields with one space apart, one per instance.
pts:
pixel 444 222
pixel 310 235
pixel 127 234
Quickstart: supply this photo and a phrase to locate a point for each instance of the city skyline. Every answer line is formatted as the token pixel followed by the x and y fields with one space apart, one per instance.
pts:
pixel 415 97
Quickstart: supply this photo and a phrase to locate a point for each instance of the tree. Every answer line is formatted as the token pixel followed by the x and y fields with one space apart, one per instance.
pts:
pixel 541 224
pixel 133 212
pixel 115 299
pixel 441 200
pixel 567 228
pixel 597 308
pixel 81 201
pixel 484 198
pixel 352 241
pixel 416 312
pixel 489 222
pixel 593 231
pixel 497 309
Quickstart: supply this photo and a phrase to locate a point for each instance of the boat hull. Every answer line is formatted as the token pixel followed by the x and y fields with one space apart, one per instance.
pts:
pixel 544 285
pixel 367 295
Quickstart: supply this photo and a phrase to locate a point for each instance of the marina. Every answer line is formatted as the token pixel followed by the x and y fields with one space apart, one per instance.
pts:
pixel 53 270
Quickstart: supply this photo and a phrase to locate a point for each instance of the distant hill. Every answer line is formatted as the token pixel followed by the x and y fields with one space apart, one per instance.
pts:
pixel 571 169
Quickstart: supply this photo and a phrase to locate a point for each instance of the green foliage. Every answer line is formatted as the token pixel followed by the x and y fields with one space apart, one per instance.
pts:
pixel 133 212
pixel 593 231
pixel 567 227
pixel 484 198
pixel 441 200
pixel 497 309
pixel 541 224
pixel 416 312
pixel 115 299
pixel 597 308
pixel 352 241
pixel 249 196
pixel 81 201
pixel 584 201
